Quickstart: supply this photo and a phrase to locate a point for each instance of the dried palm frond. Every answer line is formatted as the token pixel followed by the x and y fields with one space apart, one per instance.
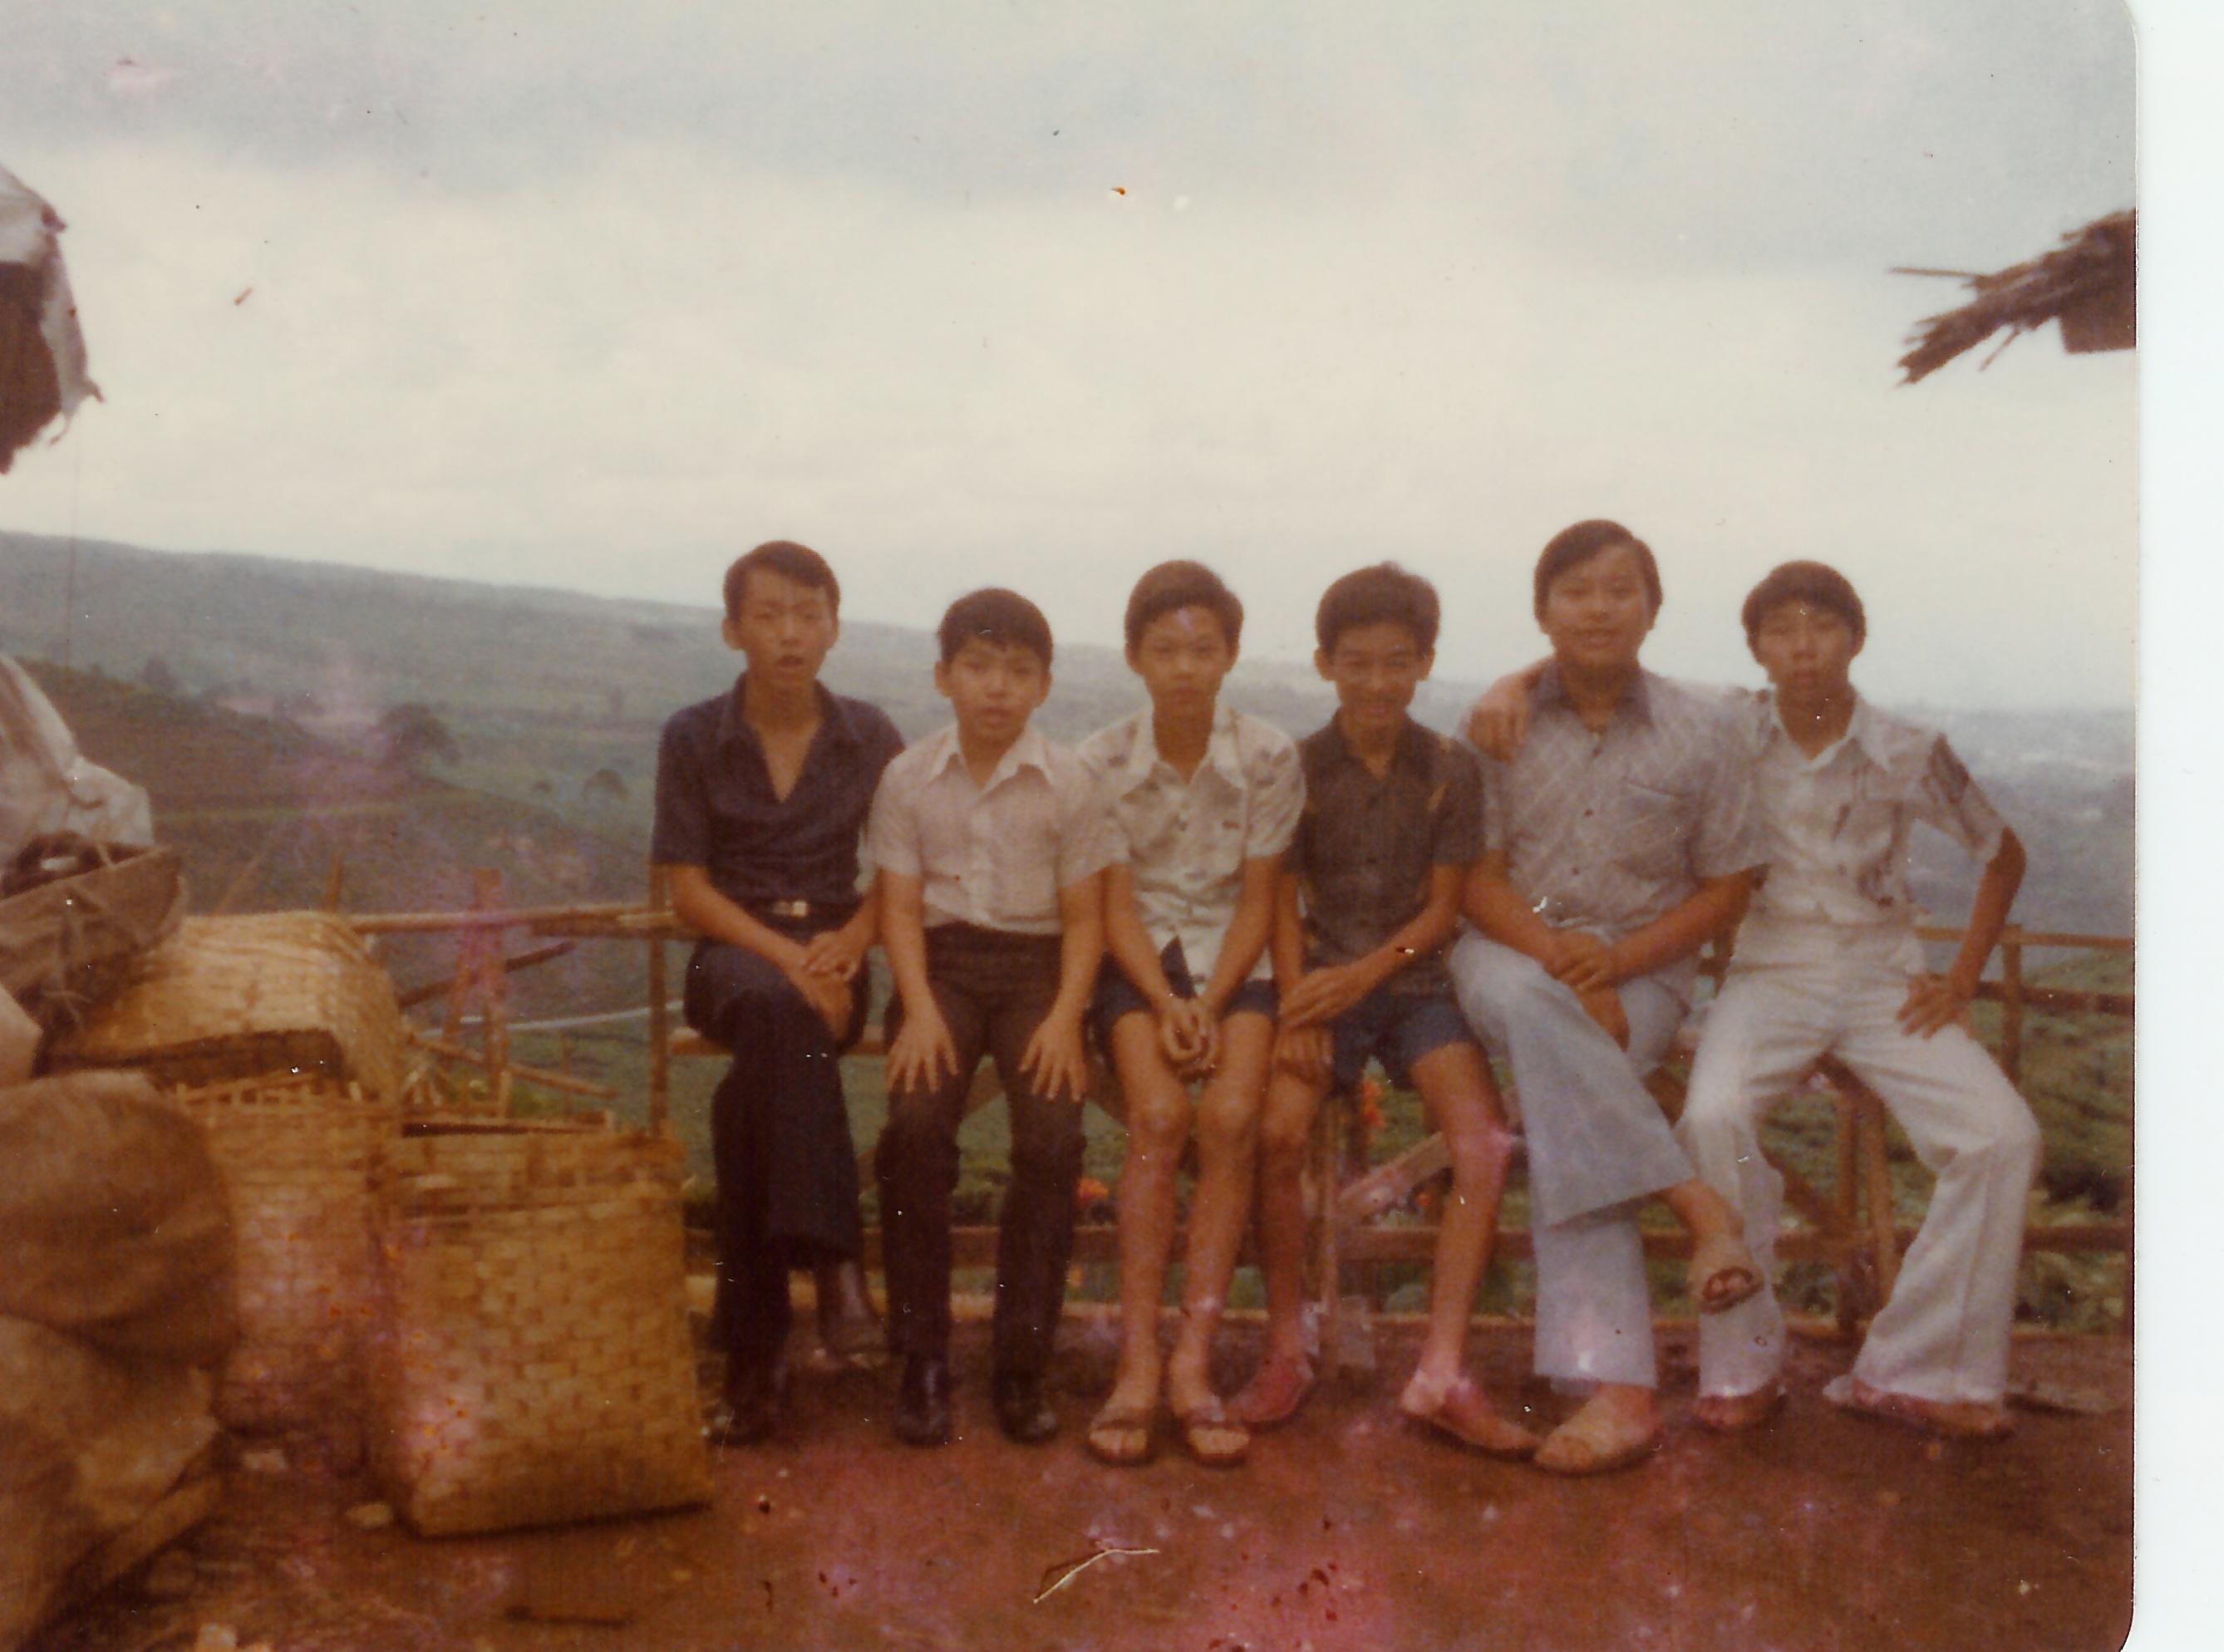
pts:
pixel 2087 284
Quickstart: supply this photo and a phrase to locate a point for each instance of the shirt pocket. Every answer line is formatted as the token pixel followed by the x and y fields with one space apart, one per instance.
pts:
pixel 1653 827
pixel 1023 862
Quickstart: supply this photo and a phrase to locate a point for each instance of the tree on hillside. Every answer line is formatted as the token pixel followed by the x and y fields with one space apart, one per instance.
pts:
pixel 605 783
pixel 157 675
pixel 411 736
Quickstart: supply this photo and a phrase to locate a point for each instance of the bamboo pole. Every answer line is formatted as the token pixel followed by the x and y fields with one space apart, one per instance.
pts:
pixel 512 964
pixel 1876 1180
pixel 659 1014
pixel 448 1049
pixel 1842 1200
pixel 479 918
pixel 2011 1010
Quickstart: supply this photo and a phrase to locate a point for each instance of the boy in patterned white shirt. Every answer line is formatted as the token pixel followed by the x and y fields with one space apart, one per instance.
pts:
pixel 1828 963
pixel 1203 801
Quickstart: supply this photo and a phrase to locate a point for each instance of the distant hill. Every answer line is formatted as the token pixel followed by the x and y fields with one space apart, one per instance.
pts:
pixel 555 699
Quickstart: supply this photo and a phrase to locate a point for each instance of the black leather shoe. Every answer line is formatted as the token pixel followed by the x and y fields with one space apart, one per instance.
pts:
pixel 923 1401
pixel 756 1395
pixel 1022 1413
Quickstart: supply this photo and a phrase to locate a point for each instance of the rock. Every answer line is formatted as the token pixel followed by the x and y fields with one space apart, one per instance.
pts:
pixel 217 1637
pixel 369 1516
pixel 267 1460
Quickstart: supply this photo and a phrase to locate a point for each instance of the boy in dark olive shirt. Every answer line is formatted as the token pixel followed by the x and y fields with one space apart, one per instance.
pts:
pixel 1393 823
pixel 762 795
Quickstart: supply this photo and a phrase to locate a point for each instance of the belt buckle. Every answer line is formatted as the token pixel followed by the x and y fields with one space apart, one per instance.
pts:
pixel 791 909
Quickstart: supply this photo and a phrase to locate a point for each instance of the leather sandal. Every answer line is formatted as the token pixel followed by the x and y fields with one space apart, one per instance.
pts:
pixel 1587 1444
pixel 1460 1410
pixel 1123 1436
pixel 1211 1437
pixel 1954 1419
pixel 1275 1391
pixel 1723 1273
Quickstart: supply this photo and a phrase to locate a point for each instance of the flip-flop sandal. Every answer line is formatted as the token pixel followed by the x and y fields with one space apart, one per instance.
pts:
pixel 1577 1448
pixel 1202 1422
pixel 1723 1273
pixel 1275 1391
pixel 1954 1419
pixel 1123 1423
pixel 1461 1411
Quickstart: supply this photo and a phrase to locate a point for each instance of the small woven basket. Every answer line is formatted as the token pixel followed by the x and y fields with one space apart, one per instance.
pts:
pixel 533 1364
pixel 229 997
pixel 297 1156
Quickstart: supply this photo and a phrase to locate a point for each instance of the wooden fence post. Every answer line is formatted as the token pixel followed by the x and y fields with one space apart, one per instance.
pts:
pixel 2012 1005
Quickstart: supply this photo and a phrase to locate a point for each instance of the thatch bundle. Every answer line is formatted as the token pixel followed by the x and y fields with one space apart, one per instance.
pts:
pixel 2088 284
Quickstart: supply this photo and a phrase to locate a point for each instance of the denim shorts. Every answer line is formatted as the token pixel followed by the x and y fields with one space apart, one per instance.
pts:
pixel 1396 1028
pixel 1117 996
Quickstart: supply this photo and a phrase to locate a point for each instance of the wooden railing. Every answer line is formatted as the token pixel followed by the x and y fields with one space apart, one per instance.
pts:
pixel 1851 1227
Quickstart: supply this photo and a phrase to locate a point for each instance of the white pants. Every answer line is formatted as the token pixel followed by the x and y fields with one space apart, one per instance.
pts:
pixel 1597 1144
pixel 1944 1334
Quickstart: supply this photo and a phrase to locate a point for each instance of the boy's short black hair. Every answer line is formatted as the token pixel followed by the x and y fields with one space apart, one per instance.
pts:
pixel 1572 546
pixel 1174 585
pixel 1372 596
pixel 1002 617
pixel 1814 582
pixel 790 561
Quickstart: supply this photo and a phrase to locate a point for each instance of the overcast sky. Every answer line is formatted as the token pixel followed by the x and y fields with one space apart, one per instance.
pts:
pixel 1039 295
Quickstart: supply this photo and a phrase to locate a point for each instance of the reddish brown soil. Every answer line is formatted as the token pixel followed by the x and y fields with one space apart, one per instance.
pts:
pixel 1815 1529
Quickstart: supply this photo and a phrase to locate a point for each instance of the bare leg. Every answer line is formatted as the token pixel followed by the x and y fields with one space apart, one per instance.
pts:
pixel 1157 1129
pixel 1456 1086
pixel 1227 1128
pixel 1286 1128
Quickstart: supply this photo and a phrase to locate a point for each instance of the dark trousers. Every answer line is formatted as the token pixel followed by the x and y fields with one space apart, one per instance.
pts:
pixel 993 989
pixel 780 1139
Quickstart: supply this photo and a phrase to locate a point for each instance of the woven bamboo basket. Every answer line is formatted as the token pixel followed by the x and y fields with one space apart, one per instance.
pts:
pixel 229 997
pixel 533 1364
pixel 297 1155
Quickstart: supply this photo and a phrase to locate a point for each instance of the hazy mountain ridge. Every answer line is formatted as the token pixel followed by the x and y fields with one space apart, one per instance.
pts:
pixel 546 690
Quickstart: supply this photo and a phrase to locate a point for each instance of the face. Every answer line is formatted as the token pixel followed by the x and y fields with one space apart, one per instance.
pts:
pixel 994 688
pixel 1597 613
pixel 1375 669
pixel 1182 656
pixel 1807 651
pixel 784 628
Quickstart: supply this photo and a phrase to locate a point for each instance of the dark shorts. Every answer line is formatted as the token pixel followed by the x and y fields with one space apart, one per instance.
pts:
pixel 1117 996
pixel 1397 1029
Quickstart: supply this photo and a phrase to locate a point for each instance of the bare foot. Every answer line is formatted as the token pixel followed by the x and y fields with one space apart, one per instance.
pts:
pixel 1727 1412
pixel 1615 1428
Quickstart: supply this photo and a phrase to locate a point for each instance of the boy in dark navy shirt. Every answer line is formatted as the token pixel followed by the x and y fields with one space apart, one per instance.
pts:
pixel 762 795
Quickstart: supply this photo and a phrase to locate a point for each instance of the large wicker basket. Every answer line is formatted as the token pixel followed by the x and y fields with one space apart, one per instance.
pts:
pixel 229 997
pixel 533 1364
pixel 296 1155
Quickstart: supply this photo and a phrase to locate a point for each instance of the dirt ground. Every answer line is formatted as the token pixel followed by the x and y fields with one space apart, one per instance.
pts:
pixel 1347 1530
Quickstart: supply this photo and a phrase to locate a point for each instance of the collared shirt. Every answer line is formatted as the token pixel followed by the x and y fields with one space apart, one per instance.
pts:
pixel 715 807
pixel 1185 842
pixel 1608 832
pixel 1368 847
pixel 1834 826
pixel 994 855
